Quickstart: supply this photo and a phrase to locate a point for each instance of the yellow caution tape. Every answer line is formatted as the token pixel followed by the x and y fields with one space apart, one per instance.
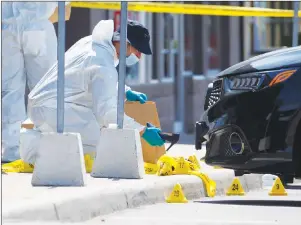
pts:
pixel 192 9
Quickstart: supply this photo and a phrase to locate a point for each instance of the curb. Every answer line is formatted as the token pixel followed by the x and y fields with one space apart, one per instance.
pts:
pixel 86 203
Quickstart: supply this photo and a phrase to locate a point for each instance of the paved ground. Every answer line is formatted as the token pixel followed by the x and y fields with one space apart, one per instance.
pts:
pixel 18 186
pixel 256 208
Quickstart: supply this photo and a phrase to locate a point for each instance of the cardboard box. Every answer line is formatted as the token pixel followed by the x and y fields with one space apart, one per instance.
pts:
pixel 142 113
pixel 54 18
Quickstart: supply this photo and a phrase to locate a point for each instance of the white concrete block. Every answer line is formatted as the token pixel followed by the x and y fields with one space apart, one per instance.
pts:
pixel 119 155
pixel 59 161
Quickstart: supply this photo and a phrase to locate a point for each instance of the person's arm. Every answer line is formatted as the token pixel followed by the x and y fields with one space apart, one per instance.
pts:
pixel 104 97
pixel 127 88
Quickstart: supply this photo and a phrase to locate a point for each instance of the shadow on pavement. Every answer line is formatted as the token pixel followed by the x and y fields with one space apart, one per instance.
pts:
pixel 293 187
pixel 279 203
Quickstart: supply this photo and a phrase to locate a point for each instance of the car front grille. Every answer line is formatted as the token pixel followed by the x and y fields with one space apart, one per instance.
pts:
pixel 213 94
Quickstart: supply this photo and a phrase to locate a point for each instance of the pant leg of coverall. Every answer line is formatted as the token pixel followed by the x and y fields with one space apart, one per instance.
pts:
pixel 78 119
pixel 12 95
pixel 40 52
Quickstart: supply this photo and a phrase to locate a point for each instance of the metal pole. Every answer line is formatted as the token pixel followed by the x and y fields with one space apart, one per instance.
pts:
pixel 122 66
pixel 180 111
pixel 171 63
pixel 295 23
pixel 61 67
pixel 256 37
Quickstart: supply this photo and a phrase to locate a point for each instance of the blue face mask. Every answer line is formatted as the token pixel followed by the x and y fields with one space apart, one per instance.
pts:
pixel 131 60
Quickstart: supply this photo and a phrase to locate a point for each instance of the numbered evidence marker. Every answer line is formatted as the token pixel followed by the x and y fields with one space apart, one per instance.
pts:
pixel 195 163
pixel 278 188
pixel 165 170
pixel 235 188
pixel 182 166
pixel 177 195
pixel 150 168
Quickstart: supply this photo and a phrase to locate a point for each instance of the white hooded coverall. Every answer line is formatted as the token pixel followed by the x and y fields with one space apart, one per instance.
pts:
pixel 29 49
pixel 91 83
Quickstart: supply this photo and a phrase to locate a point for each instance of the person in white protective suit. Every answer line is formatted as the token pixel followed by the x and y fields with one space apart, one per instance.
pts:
pixel 29 49
pixel 91 89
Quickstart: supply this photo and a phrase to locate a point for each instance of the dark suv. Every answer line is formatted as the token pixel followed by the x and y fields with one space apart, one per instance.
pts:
pixel 252 118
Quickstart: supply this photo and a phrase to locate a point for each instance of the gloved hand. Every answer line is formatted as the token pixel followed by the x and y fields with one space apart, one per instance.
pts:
pixel 133 96
pixel 151 136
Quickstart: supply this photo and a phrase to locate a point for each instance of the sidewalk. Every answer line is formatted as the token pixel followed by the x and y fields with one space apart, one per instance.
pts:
pixel 102 196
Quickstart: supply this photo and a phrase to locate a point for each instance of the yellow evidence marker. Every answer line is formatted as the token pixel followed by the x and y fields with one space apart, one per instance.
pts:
pixel 182 166
pixel 177 195
pixel 165 170
pixel 18 166
pixel 150 168
pixel 195 165
pixel 278 188
pixel 235 188
pixel 209 184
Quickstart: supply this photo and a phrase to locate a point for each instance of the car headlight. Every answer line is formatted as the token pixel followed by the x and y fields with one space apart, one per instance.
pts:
pixel 246 82
pixel 260 80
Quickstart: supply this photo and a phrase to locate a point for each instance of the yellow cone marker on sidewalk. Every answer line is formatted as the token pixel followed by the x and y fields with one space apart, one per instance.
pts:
pixel 182 166
pixel 278 188
pixel 177 195
pixel 150 168
pixel 18 166
pixel 165 170
pixel 235 188
pixel 193 159
pixel 89 160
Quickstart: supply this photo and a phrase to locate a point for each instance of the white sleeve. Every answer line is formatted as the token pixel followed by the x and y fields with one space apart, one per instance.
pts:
pixel 127 88
pixel 104 98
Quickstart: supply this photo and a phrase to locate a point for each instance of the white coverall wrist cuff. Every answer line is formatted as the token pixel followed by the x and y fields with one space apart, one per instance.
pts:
pixel 127 88
pixel 141 128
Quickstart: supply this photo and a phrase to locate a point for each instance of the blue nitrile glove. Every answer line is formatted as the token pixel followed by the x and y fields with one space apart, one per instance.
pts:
pixel 151 136
pixel 134 96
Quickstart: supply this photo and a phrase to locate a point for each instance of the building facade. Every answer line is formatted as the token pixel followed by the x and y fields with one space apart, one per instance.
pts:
pixel 188 52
